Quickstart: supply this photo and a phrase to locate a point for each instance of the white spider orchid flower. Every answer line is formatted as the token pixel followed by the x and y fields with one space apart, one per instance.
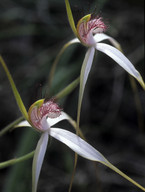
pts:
pixel 89 32
pixel 42 116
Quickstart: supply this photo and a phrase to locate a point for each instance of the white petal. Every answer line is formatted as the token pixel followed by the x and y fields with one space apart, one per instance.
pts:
pixel 77 144
pixel 101 37
pixel 53 121
pixel 117 56
pixel 86 67
pixel 85 150
pixel 85 70
pixel 24 124
pixel 38 159
pixel 75 40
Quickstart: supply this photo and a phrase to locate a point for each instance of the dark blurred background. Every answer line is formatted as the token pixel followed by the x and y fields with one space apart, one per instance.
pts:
pixel 31 34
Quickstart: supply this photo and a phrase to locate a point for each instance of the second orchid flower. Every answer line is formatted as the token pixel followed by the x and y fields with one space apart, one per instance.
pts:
pixel 90 32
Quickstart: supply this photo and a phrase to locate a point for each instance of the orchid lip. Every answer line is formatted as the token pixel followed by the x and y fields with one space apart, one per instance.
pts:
pixel 87 27
pixel 40 111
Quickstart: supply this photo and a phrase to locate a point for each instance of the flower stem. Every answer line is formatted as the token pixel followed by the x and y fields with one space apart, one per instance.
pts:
pixel 73 173
pixel 16 160
pixel 10 126
pixel 68 89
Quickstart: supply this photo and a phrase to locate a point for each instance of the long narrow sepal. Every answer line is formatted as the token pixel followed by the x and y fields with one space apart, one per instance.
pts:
pixel 15 91
pixel 70 17
pixel 85 150
pixel 38 159
pixel 86 67
pixel 77 144
pixel 117 56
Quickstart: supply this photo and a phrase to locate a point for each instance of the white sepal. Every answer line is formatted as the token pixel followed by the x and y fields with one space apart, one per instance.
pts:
pixel 117 56
pixel 77 144
pixel 38 159
pixel 85 70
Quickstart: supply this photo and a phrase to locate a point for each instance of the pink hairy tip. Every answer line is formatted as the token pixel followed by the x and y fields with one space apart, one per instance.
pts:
pixel 50 109
pixel 93 26
pixel 97 25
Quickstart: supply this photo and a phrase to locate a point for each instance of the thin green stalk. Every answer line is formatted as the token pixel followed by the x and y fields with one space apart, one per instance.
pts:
pixel 51 75
pixel 68 89
pixel 138 104
pixel 73 173
pixel 10 126
pixel 16 160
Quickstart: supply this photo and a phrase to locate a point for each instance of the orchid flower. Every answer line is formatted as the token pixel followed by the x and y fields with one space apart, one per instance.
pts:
pixel 42 115
pixel 90 32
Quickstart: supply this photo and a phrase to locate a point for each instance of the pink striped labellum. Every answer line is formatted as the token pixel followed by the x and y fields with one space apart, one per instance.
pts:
pixel 87 27
pixel 40 111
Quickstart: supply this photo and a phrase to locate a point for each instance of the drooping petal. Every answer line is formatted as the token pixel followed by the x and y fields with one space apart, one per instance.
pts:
pixel 14 89
pixel 85 150
pixel 86 67
pixel 77 144
pixel 38 159
pixel 117 56
pixel 101 37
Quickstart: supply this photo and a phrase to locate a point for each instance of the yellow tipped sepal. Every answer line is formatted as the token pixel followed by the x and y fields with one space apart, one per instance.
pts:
pixel 70 17
pixel 14 89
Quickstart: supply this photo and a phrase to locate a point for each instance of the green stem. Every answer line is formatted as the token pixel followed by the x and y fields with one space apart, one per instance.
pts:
pixel 73 173
pixel 138 104
pixel 54 65
pixel 10 126
pixel 68 89
pixel 16 160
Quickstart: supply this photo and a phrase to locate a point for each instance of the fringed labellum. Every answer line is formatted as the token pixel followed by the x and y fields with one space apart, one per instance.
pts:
pixel 87 27
pixel 40 111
